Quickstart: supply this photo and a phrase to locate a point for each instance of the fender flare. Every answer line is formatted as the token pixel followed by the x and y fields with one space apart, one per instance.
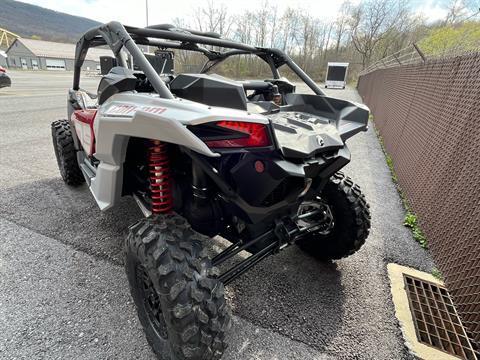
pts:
pixel 112 135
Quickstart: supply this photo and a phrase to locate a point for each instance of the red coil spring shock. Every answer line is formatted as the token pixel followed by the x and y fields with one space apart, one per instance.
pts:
pixel 160 185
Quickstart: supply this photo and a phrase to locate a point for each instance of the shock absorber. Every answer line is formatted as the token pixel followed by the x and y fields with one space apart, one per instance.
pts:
pixel 160 186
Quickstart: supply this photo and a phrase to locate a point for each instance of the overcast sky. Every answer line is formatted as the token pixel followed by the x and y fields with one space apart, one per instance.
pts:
pixel 164 11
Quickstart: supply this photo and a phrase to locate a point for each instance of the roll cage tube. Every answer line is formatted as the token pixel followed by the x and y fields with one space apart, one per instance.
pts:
pixel 214 61
pixel 116 36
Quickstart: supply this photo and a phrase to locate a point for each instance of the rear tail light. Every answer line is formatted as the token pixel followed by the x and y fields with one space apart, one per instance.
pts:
pixel 2 69
pixel 242 134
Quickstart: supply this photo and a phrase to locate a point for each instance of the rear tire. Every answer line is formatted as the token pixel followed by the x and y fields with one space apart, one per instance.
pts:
pixel 65 153
pixel 351 217
pixel 179 301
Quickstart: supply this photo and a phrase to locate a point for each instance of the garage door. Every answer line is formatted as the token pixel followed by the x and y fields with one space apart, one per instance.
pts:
pixel 55 64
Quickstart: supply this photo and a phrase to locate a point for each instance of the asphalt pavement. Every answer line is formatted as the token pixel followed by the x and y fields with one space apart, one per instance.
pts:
pixel 65 295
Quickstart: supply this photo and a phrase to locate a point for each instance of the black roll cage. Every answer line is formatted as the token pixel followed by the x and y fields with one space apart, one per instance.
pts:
pixel 117 36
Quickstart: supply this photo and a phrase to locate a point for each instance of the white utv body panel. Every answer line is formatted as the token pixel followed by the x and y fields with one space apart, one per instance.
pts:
pixel 84 135
pixel 148 116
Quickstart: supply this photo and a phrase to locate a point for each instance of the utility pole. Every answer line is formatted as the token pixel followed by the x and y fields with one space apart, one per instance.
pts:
pixel 146 18
pixel 146 11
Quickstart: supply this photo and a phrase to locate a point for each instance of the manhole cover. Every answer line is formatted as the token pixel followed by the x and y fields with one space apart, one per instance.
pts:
pixel 435 318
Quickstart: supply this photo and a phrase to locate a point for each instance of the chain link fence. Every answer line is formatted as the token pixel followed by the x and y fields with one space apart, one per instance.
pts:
pixel 408 55
pixel 428 113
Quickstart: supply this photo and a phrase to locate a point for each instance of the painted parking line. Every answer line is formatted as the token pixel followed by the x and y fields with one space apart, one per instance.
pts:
pixel 43 94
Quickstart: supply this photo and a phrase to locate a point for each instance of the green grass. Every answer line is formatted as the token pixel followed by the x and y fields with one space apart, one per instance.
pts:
pixel 410 220
pixel 437 274
pixel 389 160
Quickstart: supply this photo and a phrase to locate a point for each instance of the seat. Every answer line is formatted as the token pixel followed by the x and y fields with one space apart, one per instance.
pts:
pixel 213 90
pixel 117 80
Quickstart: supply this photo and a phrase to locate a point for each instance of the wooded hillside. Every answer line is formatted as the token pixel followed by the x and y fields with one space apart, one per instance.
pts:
pixel 34 21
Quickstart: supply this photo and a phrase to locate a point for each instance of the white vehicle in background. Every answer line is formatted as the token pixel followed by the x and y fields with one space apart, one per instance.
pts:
pixel 336 77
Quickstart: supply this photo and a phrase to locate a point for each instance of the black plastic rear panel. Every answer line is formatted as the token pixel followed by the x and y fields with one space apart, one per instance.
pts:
pixel 211 90
pixel 310 124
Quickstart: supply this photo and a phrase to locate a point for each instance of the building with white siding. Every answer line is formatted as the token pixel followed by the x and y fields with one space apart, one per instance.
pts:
pixel 47 55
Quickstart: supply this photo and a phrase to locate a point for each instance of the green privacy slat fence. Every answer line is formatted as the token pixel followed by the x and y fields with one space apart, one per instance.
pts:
pixel 429 117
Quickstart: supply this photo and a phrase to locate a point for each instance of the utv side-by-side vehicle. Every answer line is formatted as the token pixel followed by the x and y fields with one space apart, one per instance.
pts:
pixel 204 155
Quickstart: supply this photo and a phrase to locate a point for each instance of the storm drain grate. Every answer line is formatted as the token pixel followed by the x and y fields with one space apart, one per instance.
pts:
pixel 436 321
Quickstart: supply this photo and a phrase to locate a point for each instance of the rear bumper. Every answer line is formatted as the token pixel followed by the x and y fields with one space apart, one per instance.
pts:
pixel 263 195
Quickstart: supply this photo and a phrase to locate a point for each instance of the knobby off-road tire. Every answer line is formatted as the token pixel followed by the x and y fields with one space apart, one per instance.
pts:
pixel 179 302
pixel 65 153
pixel 351 217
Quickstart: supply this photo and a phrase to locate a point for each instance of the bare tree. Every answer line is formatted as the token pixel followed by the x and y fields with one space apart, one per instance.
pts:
pixel 456 11
pixel 273 26
pixel 375 28
pixel 327 40
pixel 213 18
pixel 341 24
pixel 290 28
pixel 372 21
pixel 261 24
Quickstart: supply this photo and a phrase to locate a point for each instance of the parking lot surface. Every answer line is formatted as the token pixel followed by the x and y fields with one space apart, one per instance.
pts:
pixel 64 291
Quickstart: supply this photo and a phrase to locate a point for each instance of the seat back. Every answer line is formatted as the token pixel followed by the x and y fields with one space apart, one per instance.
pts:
pixel 117 80
pixel 211 90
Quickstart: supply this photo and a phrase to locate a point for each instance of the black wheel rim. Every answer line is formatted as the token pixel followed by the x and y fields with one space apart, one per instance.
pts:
pixel 320 222
pixel 151 303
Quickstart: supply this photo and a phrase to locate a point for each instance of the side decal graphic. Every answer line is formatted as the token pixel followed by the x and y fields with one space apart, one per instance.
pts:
pixel 127 110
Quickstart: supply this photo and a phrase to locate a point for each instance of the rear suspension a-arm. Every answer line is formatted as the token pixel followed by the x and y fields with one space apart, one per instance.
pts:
pixel 285 233
pixel 281 236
